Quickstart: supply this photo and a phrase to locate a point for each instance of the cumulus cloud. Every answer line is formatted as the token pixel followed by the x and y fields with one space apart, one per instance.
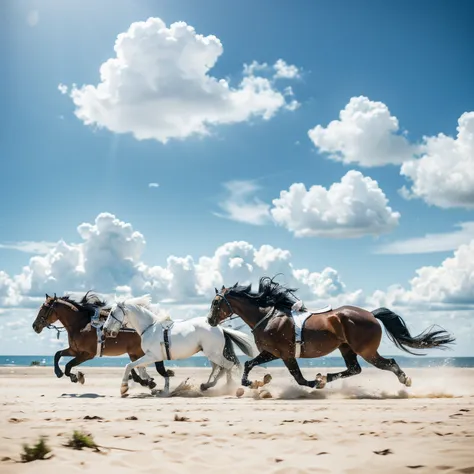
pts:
pixel 109 260
pixel 447 286
pixel 242 206
pixel 431 243
pixel 444 174
pixel 285 71
pixel 354 207
pixel 365 134
pixel 158 86
pixel 153 185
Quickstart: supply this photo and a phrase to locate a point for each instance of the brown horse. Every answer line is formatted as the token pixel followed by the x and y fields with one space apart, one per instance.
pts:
pixel 76 319
pixel 352 330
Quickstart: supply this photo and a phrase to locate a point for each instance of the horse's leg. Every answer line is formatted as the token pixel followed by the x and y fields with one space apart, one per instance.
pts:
pixel 350 358
pixel 136 378
pixel 141 362
pixel 148 380
pixel 57 370
pixel 250 364
pixel 160 368
pixel 294 369
pixel 73 363
pixel 388 364
pixel 216 373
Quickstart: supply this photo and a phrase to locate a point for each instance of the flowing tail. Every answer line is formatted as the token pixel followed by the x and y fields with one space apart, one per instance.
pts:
pixel 399 334
pixel 241 340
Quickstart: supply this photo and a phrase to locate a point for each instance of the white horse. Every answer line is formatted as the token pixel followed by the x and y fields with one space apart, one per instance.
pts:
pixel 186 338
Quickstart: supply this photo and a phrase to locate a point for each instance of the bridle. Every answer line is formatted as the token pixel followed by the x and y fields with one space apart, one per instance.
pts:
pixel 43 320
pixel 222 296
pixel 124 314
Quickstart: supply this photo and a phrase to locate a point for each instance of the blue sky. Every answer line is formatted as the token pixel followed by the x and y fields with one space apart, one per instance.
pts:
pixel 58 172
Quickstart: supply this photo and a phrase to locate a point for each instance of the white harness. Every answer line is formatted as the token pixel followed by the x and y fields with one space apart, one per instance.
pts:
pixel 97 324
pixel 299 318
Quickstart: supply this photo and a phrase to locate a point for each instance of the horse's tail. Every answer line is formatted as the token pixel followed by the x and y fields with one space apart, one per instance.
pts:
pixel 399 334
pixel 241 340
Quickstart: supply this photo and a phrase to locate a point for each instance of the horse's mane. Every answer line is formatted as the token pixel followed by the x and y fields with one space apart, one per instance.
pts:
pixel 92 299
pixel 144 301
pixel 269 293
pixel 88 302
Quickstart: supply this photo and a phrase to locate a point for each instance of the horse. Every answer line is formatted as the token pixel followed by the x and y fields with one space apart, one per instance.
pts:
pixel 180 340
pixel 280 332
pixel 76 319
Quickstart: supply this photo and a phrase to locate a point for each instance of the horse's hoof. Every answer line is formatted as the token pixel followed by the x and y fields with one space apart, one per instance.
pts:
pixel 408 382
pixel 321 381
pixel 203 387
pixel 80 378
pixel 124 390
pixel 267 379
pixel 170 372
pixel 256 384
pixel 151 385
pixel 59 374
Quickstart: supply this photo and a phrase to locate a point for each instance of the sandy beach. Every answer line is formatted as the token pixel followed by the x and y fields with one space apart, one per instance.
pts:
pixel 369 424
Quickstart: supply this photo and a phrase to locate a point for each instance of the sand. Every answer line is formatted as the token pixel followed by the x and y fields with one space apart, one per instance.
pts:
pixel 367 424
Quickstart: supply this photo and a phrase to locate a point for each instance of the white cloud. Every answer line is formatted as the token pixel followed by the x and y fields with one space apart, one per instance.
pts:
pixel 242 206
pixel 153 185
pixel 285 71
pixel 158 86
pixel 40 248
pixel 32 18
pixel 354 207
pixel 254 67
pixel 109 260
pixel 366 134
pixel 430 243
pixel 444 174
pixel 448 286
pixel 63 89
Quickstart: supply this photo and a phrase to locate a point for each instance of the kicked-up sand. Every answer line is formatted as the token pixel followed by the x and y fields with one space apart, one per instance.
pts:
pixel 366 424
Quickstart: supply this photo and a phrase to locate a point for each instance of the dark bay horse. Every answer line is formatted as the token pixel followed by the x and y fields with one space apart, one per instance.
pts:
pixel 76 319
pixel 352 330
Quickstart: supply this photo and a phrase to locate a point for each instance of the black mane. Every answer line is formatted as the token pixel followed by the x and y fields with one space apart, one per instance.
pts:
pixel 270 293
pixel 88 302
pixel 92 299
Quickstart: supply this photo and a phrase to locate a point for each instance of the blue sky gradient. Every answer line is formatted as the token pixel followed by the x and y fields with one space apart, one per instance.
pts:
pixel 57 173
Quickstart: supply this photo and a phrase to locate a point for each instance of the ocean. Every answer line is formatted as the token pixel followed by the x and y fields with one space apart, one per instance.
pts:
pixel 201 361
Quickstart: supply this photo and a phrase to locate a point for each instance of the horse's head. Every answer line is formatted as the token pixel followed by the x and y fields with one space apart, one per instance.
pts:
pixel 47 314
pixel 114 321
pixel 221 309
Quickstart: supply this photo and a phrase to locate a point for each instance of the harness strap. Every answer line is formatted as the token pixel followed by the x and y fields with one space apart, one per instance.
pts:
pixel 268 316
pixel 167 342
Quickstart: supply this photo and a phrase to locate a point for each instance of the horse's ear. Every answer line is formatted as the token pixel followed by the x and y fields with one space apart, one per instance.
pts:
pixel 216 291
pixel 47 296
pixel 55 297
pixel 223 287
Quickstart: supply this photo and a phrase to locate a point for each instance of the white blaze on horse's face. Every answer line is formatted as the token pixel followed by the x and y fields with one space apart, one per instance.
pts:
pixel 114 321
